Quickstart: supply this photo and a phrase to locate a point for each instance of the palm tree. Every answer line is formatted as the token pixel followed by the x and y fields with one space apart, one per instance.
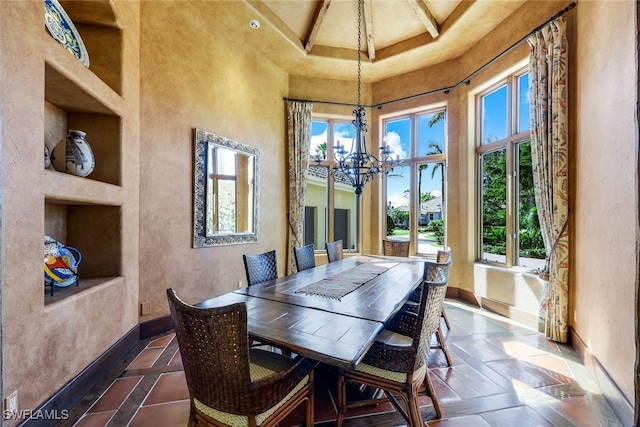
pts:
pixel 435 149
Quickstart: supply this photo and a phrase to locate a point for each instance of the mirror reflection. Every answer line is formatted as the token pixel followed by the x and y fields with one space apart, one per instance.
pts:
pixel 226 197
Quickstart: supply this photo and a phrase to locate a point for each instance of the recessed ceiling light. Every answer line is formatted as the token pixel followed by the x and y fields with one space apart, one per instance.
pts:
pixel 254 23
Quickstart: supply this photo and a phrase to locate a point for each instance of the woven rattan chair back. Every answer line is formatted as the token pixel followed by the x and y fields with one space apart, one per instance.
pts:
pixel 429 313
pixel 334 251
pixel 443 262
pixel 214 347
pixel 305 258
pixel 395 247
pixel 261 267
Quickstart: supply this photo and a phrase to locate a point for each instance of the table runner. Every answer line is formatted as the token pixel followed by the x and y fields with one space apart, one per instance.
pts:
pixel 345 282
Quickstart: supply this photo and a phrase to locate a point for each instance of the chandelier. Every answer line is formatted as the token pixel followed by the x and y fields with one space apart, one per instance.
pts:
pixel 358 167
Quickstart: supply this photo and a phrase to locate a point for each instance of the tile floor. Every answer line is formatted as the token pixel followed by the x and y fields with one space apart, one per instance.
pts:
pixel 503 374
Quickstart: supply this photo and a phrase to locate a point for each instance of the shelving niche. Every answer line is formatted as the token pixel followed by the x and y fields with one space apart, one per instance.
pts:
pixel 86 213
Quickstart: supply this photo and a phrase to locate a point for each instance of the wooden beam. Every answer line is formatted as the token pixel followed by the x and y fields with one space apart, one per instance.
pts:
pixel 424 14
pixel 321 12
pixel 368 28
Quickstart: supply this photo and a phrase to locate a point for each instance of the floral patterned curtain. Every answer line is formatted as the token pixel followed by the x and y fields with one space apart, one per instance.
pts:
pixel 549 147
pixel 299 140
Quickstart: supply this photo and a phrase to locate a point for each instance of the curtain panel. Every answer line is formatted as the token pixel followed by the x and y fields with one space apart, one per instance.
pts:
pixel 299 141
pixel 549 148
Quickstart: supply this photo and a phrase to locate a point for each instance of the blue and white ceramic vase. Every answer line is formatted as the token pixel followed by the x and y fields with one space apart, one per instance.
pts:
pixel 73 154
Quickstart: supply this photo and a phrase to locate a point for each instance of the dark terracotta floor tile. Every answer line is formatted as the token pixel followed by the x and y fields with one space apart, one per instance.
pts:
pixel 175 359
pixel 146 358
pixel 96 419
pixel 116 394
pixel 466 382
pixel 552 364
pixel 170 386
pixel 525 375
pixel 162 342
pixel 481 350
pixel 512 347
pixel 576 410
pixel 172 414
pixel 521 417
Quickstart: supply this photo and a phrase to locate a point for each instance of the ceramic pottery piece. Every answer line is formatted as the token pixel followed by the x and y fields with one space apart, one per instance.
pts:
pixel 47 157
pixel 62 29
pixel 73 155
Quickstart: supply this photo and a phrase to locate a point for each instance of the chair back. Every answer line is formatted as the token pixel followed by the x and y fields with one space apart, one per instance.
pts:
pixel 443 262
pixel 429 312
pixel 261 267
pixel 214 347
pixel 334 251
pixel 305 258
pixel 395 247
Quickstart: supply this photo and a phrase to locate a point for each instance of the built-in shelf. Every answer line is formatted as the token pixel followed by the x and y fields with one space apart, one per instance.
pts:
pixel 70 292
pixel 86 212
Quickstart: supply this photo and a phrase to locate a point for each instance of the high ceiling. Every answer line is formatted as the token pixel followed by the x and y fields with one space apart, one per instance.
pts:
pixel 319 37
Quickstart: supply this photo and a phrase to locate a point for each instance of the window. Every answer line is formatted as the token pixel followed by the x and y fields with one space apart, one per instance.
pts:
pixel 415 198
pixel 508 218
pixel 330 204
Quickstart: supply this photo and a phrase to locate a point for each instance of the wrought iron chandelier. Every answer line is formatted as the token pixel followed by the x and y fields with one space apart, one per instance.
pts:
pixel 358 166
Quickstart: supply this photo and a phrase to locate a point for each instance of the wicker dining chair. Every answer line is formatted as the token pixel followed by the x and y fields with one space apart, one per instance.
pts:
pixel 261 267
pixel 397 361
pixel 334 251
pixel 305 258
pixel 395 247
pixel 229 383
pixel 444 259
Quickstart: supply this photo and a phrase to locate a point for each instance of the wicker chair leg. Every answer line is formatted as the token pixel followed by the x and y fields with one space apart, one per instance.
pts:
pixel 414 411
pixel 432 394
pixel 446 319
pixel 342 399
pixel 193 422
pixel 443 345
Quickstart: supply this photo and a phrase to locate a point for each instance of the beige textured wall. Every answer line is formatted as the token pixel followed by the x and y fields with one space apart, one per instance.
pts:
pixel 46 346
pixel 605 267
pixel 197 74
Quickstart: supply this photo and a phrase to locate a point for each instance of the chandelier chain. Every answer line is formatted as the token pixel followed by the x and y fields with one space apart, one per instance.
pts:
pixel 359 49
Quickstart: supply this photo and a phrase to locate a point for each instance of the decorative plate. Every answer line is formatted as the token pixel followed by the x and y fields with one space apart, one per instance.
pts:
pixel 62 29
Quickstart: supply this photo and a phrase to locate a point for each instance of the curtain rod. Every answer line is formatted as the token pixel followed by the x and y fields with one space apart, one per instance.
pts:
pixel 447 89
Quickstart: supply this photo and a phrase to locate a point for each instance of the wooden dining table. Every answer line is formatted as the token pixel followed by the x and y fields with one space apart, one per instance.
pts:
pixel 331 313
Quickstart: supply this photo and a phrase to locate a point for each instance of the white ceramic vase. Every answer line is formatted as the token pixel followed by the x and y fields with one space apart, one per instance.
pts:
pixel 73 154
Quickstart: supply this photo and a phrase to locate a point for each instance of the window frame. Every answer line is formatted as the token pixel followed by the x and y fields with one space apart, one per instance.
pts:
pixel 511 144
pixel 329 162
pixel 412 163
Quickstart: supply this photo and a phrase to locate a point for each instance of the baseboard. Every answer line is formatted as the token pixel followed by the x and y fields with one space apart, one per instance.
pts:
pixel 69 395
pixel 617 400
pixel 155 327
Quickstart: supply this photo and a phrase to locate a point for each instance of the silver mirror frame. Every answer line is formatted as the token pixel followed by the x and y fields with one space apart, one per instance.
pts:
pixel 202 140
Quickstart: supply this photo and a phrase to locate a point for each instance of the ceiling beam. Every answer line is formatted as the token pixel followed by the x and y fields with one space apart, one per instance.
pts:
pixel 321 12
pixel 424 14
pixel 368 28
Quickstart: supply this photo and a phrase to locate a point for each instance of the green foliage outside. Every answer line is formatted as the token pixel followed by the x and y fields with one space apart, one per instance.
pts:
pixel 494 205
pixel 436 226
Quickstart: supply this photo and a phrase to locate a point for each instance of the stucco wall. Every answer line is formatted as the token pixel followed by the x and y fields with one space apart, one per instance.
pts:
pixel 606 187
pixel 197 73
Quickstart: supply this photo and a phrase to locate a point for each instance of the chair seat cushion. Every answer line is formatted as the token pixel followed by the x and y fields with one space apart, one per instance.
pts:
pixel 399 377
pixel 393 338
pixel 262 364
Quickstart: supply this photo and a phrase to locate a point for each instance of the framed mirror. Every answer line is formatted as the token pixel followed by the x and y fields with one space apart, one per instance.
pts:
pixel 226 191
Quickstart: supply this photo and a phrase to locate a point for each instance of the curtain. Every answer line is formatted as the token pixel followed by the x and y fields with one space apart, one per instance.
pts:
pixel 549 148
pixel 298 140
